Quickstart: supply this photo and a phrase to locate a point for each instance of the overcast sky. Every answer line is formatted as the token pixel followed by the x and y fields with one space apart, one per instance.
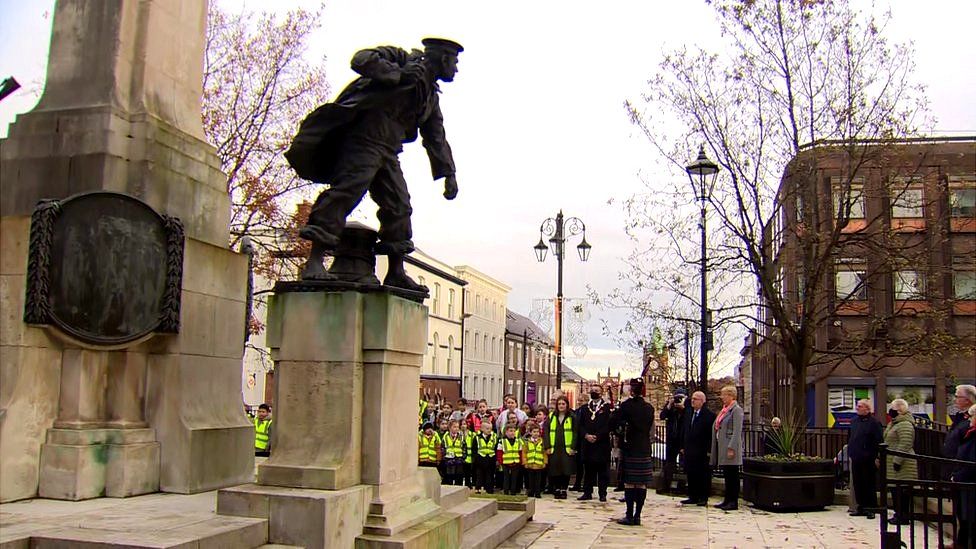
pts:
pixel 535 117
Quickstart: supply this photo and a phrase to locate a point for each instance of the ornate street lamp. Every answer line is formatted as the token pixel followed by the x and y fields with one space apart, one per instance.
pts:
pixel 559 230
pixel 702 173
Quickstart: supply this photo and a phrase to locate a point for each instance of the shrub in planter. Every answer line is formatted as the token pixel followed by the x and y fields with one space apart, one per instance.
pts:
pixel 787 479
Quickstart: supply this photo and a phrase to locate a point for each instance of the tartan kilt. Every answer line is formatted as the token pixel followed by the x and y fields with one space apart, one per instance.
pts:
pixel 637 470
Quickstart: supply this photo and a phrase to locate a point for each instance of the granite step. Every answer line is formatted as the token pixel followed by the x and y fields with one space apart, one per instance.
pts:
pixel 440 531
pixel 216 532
pixel 494 531
pixel 475 511
pixel 453 495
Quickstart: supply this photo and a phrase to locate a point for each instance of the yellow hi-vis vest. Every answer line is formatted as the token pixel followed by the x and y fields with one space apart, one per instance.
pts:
pixel 428 447
pixel 468 439
pixel 567 430
pixel 453 447
pixel 261 430
pixel 423 410
pixel 511 451
pixel 487 448
pixel 534 454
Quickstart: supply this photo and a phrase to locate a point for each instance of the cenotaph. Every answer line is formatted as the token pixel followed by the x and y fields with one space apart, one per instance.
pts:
pixel 117 378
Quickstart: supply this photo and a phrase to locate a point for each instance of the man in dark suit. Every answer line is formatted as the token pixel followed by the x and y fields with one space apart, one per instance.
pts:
pixel 594 444
pixel 697 444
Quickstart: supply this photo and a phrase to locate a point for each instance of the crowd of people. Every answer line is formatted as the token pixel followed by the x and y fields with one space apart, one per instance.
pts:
pixel 538 449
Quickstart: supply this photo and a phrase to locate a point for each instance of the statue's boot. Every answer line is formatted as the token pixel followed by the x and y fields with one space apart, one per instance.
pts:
pixel 397 277
pixel 405 282
pixel 314 268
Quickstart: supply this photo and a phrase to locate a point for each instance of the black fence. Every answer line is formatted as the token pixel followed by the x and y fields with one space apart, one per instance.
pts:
pixel 827 443
pixel 930 510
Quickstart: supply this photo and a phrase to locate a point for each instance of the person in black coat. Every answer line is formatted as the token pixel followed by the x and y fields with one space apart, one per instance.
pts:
pixel 578 480
pixel 594 444
pixel 865 436
pixel 673 415
pixel 964 503
pixel 695 449
pixel 633 421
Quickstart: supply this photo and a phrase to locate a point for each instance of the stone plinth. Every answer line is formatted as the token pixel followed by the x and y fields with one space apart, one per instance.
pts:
pixel 344 361
pixel 316 342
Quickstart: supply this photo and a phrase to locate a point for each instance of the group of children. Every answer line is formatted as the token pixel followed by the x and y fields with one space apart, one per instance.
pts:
pixel 483 451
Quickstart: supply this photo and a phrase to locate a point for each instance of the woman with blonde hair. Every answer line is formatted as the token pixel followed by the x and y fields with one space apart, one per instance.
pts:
pixel 727 445
pixel 899 435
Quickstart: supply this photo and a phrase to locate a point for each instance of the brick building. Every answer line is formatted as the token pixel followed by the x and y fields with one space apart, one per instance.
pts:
pixel 891 228
pixel 530 361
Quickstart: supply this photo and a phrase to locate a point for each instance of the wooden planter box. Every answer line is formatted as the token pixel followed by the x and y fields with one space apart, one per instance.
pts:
pixel 788 485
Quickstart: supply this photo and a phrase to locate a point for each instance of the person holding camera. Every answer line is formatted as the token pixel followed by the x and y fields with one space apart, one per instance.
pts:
pixel 673 415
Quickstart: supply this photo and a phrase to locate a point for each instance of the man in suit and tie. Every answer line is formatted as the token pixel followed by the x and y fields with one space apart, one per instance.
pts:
pixel 695 448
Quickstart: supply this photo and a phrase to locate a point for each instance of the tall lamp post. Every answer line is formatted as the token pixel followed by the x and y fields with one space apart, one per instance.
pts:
pixel 702 174
pixel 559 230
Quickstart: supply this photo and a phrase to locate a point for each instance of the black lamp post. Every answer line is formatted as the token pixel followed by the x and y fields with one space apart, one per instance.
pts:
pixel 702 174
pixel 558 230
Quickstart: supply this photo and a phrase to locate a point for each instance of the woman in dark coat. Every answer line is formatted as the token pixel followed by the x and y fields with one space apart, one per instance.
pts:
pixel 634 421
pixel 560 444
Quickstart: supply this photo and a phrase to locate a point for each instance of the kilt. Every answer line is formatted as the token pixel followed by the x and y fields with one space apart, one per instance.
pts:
pixel 637 470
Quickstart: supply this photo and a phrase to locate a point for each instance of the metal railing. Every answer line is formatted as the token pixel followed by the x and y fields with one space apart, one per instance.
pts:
pixel 927 510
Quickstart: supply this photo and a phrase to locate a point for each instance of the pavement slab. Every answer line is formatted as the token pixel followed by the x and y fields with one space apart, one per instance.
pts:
pixel 665 523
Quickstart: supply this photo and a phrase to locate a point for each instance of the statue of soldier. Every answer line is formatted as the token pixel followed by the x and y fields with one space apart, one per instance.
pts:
pixel 352 144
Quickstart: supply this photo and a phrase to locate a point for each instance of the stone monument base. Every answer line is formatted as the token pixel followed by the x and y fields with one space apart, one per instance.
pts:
pixel 81 464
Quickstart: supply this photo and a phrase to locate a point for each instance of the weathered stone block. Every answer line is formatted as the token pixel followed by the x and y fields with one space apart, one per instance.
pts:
pixel 309 518
pixel 133 469
pixel 29 387
pixel 73 472
pixel 313 446
pixel 316 326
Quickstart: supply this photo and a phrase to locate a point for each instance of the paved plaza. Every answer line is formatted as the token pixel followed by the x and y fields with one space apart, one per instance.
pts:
pixel 666 523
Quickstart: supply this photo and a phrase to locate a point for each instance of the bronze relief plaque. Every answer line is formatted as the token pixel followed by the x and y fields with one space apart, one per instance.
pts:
pixel 104 268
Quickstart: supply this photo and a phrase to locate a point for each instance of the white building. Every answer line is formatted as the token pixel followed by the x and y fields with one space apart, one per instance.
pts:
pixel 485 304
pixel 441 370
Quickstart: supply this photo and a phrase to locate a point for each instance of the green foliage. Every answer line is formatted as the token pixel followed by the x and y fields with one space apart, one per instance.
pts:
pixel 788 438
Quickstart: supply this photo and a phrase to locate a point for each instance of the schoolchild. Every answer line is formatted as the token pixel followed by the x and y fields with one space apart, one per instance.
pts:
pixel 509 456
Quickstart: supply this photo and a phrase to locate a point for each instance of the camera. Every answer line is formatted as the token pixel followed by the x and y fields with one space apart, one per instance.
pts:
pixel 678 399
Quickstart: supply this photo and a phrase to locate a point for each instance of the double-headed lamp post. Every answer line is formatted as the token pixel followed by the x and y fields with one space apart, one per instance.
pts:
pixel 558 230
pixel 702 174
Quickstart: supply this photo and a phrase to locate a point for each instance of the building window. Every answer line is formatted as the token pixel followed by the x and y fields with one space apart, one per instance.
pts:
pixel 450 355
pixel 467 337
pixel 477 304
pixel 848 199
pixel 485 352
pixel 909 285
pixel 850 280
pixel 450 303
pixel 962 201
pixel 511 355
pixel 474 350
pixel 437 298
pixel 434 353
pixel 963 283
pixel 906 198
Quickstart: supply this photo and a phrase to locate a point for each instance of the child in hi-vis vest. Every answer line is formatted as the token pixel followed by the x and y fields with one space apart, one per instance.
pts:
pixel 454 448
pixel 534 460
pixel 429 446
pixel 509 455
pixel 483 447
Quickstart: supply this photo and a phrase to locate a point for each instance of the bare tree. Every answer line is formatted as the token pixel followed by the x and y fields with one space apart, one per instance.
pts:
pixel 803 87
pixel 258 86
